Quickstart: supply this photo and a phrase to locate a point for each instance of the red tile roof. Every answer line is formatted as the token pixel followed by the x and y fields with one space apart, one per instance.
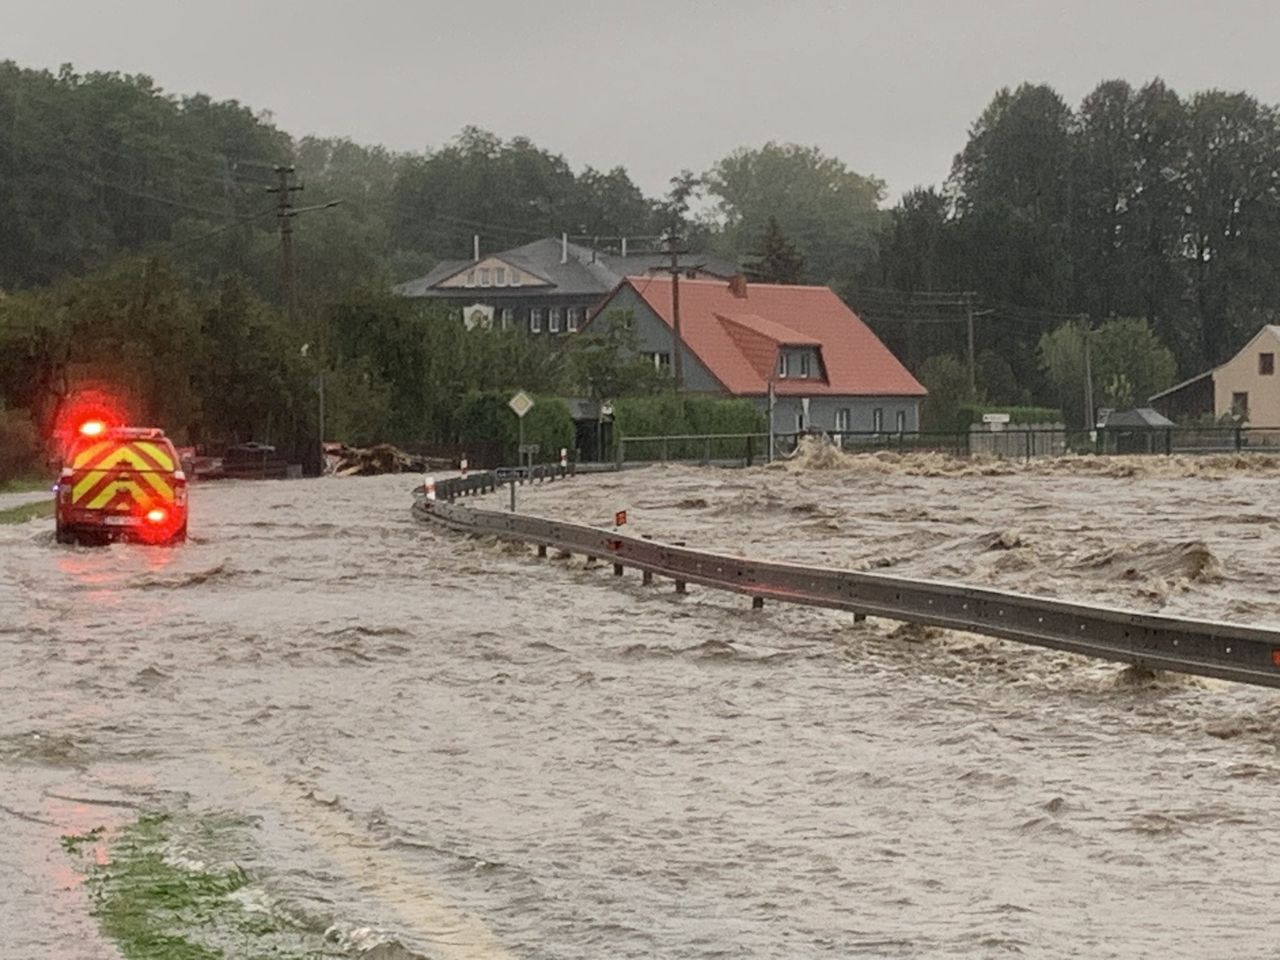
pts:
pixel 737 338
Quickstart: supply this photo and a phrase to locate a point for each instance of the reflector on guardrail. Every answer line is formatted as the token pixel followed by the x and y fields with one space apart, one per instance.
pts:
pixel 429 487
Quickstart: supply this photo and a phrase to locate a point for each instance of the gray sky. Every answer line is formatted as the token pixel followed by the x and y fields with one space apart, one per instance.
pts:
pixel 889 87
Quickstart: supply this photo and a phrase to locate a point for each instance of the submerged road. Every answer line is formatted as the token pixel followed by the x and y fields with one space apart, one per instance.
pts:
pixel 474 753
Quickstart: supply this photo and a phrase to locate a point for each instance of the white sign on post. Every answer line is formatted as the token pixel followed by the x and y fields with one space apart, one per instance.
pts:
pixel 521 403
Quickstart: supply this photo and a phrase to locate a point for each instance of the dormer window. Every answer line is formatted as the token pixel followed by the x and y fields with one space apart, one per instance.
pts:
pixel 806 365
pixel 484 276
pixel 783 366
pixel 499 276
pixel 515 277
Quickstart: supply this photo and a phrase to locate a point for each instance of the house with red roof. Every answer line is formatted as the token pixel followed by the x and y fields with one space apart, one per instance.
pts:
pixel 829 372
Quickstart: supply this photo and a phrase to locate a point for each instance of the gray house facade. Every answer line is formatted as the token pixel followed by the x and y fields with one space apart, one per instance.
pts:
pixel 547 288
pixel 826 369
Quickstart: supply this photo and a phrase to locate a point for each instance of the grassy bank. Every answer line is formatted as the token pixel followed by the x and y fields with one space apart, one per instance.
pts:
pixel 25 484
pixel 170 890
pixel 27 511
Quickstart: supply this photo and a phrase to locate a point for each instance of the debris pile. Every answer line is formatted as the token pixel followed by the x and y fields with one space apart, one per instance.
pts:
pixel 347 461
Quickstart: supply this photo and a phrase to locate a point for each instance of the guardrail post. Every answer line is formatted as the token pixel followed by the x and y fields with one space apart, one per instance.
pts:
pixel 751 444
pixel 663 450
pixel 542 549
pixel 618 448
pixel 617 569
pixel 646 577
pixel 1239 439
pixel 757 603
pixel 681 587
pixel 1168 441
pixel 706 450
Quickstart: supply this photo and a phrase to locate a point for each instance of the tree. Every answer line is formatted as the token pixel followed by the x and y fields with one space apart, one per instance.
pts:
pixel 601 362
pixel 1128 364
pixel 830 212
pixel 776 259
pixel 946 377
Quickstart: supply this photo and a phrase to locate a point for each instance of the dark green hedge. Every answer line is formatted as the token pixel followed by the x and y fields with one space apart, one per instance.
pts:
pixel 485 417
pixel 668 415
pixel 972 413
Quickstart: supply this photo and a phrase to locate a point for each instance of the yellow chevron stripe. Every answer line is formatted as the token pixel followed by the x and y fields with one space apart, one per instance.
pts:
pixel 85 484
pixel 157 453
pixel 159 483
pixel 109 492
pixel 86 456
pixel 123 456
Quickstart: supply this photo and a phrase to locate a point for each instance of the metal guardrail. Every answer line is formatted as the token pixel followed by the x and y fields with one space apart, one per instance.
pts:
pixel 1207 648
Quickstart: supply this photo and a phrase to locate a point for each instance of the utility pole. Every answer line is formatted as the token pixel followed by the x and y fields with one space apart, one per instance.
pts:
pixel 674 268
pixel 285 214
pixel 1090 420
pixel 973 375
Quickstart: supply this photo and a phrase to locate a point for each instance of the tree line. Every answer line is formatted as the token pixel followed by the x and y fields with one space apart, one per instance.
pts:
pixel 1141 221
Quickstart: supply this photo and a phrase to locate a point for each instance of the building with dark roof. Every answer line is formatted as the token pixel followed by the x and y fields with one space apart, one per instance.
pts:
pixel 548 287
pixel 827 370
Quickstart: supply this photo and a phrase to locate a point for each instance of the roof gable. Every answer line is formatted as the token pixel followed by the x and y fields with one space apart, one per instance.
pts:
pixel 737 337
pixel 466 276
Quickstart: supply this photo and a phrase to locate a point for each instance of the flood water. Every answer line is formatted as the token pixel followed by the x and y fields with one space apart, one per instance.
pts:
pixel 472 752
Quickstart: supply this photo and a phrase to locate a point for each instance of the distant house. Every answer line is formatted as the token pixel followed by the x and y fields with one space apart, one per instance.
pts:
pixel 1246 386
pixel 548 287
pixel 829 372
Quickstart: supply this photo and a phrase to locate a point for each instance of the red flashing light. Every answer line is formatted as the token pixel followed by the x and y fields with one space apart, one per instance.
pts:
pixel 157 515
pixel 92 428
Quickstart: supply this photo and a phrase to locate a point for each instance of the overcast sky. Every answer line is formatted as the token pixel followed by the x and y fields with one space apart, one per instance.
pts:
pixel 889 87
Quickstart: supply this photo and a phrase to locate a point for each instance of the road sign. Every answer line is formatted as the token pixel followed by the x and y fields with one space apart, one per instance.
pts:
pixel 521 403
pixel 530 448
pixel 995 418
pixel 620 518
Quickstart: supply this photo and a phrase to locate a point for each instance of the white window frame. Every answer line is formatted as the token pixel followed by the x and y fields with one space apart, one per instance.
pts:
pixel 573 319
pixel 499 276
pixel 877 420
pixel 784 366
pixel 842 420
pixel 515 277
pixel 508 318
pixel 900 419
pixel 553 320
pixel 484 276
pixel 535 319
pixel 800 424
pixel 806 365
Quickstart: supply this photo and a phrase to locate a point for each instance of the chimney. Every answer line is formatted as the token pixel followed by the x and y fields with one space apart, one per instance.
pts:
pixel 564 248
pixel 738 286
pixel 475 247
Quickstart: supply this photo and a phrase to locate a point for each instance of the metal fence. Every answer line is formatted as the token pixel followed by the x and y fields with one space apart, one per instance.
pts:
pixel 1207 648
pixel 1016 443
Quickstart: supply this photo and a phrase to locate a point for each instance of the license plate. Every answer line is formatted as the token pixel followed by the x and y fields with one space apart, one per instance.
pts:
pixel 120 521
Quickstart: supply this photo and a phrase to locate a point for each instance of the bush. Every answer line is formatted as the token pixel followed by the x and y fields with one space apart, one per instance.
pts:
pixel 21 453
pixel 670 415
pixel 486 418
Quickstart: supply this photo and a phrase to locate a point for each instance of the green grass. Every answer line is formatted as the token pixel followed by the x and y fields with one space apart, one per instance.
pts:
pixel 167 893
pixel 25 484
pixel 27 511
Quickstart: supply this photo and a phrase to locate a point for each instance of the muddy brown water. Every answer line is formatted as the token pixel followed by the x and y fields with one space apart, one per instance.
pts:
pixel 418 726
